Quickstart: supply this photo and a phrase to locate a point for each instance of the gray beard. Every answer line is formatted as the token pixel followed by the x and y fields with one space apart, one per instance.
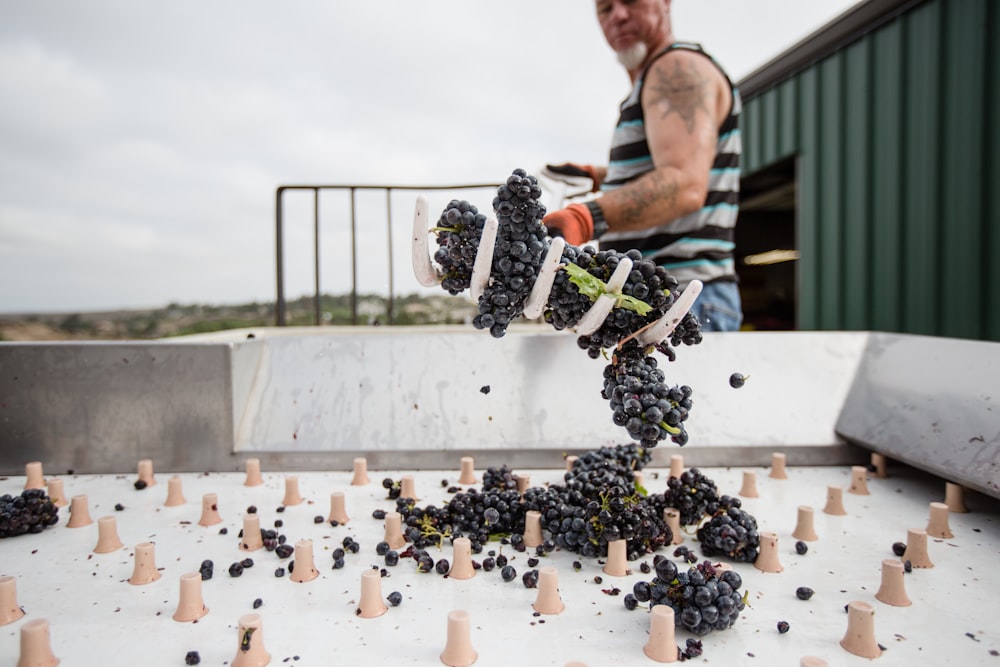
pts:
pixel 633 57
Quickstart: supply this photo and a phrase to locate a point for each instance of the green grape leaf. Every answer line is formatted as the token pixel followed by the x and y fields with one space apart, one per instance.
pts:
pixel 632 303
pixel 588 284
pixel 593 287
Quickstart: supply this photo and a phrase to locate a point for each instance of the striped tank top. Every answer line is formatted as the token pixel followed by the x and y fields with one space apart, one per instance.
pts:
pixel 698 245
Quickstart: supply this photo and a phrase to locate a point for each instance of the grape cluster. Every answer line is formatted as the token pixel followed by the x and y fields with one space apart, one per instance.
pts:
pixel 693 495
pixel 563 516
pixel 459 230
pixel 393 487
pixel 600 503
pixel 566 303
pixel 585 526
pixel 647 282
pixel 520 245
pixel 478 515
pixel 647 294
pixel 595 477
pixel 631 456
pixel 704 598
pixel 628 516
pixel 731 532
pixel 597 504
pixel 30 512
pixel 687 332
pixel 640 399
pixel 500 478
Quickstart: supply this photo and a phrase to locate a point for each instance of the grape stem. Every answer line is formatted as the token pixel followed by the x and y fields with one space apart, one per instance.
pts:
pixel 430 530
pixel 672 430
pixel 635 334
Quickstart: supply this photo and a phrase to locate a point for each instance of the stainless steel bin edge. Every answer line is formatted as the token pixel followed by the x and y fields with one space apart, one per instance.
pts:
pixel 313 398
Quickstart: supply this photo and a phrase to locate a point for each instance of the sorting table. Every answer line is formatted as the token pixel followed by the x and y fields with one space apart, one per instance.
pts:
pixel 97 617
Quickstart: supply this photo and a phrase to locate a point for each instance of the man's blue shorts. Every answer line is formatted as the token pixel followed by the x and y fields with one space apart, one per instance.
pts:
pixel 719 308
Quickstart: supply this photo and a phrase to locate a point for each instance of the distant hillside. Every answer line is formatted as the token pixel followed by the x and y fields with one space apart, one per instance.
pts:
pixel 180 320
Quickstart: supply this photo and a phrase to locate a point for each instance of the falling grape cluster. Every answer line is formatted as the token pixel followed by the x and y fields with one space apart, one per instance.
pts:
pixel 640 399
pixel 646 283
pixel 704 598
pixel 567 304
pixel 650 410
pixel 30 512
pixel 459 229
pixel 648 292
pixel 520 245
pixel 633 384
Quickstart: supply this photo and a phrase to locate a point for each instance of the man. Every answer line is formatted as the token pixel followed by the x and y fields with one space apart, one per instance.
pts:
pixel 671 188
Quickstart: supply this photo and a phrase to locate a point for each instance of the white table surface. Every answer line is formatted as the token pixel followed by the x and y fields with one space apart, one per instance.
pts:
pixel 98 618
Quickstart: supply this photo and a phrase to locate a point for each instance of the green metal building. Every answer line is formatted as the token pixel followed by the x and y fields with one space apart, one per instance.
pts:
pixel 871 154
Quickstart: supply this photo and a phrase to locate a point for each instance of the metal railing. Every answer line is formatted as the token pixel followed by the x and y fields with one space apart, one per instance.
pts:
pixel 280 304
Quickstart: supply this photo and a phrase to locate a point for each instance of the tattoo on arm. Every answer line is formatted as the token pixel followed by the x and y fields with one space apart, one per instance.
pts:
pixel 681 91
pixel 653 189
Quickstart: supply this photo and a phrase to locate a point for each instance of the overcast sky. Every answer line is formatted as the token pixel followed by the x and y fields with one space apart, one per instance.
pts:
pixel 141 142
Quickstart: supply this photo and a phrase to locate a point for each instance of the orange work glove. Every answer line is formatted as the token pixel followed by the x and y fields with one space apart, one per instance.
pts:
pixel 574 223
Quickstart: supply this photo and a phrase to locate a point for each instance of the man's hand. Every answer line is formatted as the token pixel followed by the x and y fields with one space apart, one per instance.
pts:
pixel 574 223
pixel 570 170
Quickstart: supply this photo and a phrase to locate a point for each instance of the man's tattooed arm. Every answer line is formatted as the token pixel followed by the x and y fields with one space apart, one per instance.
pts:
pixel 681 91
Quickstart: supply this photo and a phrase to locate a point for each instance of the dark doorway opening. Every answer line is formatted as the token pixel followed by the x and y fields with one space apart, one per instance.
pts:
pixel 766 249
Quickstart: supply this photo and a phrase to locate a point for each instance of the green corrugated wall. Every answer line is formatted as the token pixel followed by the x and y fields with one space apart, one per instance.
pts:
pixel 898 177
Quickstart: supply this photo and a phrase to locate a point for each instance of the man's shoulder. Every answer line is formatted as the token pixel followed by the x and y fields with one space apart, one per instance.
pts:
pixel 681 64
pixel 688 54
pixel 689 74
